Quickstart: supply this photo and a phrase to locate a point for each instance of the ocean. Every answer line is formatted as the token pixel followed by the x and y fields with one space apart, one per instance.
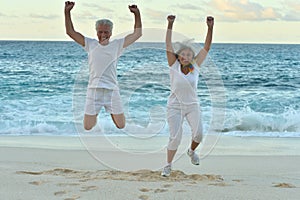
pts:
pixel 43 84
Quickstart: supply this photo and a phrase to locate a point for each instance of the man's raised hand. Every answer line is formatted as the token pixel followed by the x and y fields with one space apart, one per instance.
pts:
pixel 171 18
pixel 69 5
pixel 134 9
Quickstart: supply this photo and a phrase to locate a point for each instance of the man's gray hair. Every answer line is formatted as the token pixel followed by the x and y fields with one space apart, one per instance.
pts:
pixel 104 22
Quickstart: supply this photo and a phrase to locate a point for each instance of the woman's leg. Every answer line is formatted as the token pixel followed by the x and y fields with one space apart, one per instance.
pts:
pixel 194 119
pixel 194 145
pixel 175 120
pixel 170 155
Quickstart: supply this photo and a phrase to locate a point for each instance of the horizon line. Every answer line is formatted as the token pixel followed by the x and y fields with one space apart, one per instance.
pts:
pixel 218 42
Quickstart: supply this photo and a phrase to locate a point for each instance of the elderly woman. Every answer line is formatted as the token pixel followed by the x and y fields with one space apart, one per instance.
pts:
pixel 183 102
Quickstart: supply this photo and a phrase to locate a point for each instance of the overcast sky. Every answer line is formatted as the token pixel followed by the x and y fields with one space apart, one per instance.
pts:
pixel 241 21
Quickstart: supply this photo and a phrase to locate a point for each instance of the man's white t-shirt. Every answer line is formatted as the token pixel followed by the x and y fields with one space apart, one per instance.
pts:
pixel 103 62
pixel 183 86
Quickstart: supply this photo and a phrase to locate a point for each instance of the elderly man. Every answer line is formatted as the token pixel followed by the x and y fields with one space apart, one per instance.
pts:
pixel 103 90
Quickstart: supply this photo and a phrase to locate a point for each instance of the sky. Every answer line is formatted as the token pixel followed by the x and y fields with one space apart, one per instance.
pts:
pixel 236 21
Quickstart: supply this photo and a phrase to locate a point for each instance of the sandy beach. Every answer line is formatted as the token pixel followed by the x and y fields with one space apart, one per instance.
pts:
pixel 59 167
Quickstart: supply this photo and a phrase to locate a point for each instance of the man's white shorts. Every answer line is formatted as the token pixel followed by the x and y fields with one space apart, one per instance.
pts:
pixel 96 98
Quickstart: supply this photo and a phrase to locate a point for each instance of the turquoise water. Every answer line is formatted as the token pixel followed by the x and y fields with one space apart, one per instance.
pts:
pixel 40 83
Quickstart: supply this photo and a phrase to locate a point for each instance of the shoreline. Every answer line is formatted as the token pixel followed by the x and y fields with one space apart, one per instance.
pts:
pixel 248 144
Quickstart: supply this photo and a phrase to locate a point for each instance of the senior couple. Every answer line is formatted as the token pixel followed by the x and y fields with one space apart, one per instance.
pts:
pixel 103 90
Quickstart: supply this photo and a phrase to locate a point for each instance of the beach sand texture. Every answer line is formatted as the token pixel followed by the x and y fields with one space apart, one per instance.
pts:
pixel 35 170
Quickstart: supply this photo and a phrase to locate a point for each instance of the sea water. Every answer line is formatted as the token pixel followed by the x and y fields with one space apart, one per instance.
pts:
pixel 43 84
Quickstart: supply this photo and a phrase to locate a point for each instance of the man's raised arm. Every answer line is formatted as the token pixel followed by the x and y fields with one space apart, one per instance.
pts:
pixel 137 33
pixel 76 36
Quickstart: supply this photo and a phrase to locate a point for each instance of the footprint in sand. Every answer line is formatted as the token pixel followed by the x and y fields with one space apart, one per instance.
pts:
pixel 181 191
pixel 67 184
pixel 237 180
pixel 60 193
pixel 143 197
pixel 190 183
pixel 74 197
pixel 284 185
pixel 30 173
pixel 160 190
pixel 144 189
pixel 219 184
pixel 167 185
pixel 37 182
pixel 88 188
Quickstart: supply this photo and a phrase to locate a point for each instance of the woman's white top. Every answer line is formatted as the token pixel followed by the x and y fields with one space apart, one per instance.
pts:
pixel 183 86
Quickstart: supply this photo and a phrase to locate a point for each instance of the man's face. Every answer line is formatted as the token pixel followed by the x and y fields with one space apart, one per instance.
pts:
pixel 103 33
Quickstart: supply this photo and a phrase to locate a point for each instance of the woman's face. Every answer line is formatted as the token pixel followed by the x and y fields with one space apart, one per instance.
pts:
pixel 185 56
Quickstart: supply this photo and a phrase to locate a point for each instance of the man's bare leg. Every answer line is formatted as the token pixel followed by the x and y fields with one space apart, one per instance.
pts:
pixel 89 121
pixel 119 120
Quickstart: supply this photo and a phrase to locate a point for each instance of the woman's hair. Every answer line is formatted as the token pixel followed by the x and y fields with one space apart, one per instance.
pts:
pixel 104 22
pixel 184 47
